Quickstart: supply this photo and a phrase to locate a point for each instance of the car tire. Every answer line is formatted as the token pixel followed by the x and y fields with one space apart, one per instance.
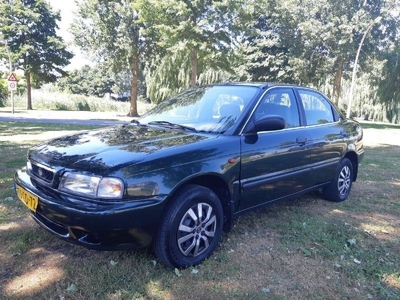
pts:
pixel 339 188
pixel 191 228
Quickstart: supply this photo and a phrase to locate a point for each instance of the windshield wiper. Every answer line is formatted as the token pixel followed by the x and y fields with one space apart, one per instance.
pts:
pixel 171 125
pixel 135 122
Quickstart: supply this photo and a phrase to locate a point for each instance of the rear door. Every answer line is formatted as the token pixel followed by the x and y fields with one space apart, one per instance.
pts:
pixel 326 131
pixel 275 164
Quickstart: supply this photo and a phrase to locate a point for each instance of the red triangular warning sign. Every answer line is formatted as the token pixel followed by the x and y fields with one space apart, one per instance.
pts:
pixel 12 77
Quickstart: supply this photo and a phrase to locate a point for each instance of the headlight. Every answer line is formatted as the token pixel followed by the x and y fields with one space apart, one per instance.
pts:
pixel 110 188
pixel 29 166
pixel 92 186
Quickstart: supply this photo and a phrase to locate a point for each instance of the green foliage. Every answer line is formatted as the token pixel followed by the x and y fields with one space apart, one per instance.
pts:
pixel 48 98
pixel 195 42
pixel 291 42
pixel 171 75
pixel 389 87
pixel 109 29
pixel 82 106
pixel 202 25
pixel 3 92
pixel 314 41
pixel 89 81
pixel 264 54
pixel 29 28
pixel 166 46
pixel 166 76
pixel 61 106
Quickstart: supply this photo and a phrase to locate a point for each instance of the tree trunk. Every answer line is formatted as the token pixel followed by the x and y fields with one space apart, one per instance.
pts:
pixel 134 88
pixel 338 80
pixel 29 88
pixel 193 76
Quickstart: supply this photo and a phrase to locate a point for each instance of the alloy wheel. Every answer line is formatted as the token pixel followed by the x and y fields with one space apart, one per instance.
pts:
pixel 196 229
pixel 344 181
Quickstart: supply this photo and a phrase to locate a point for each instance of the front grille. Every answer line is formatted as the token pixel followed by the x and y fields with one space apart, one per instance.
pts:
pixel 42 173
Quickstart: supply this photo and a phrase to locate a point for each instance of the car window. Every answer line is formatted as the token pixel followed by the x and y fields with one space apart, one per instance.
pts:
pixel 207 108
pixel 226 105
pixel 280 102
pixel 317 109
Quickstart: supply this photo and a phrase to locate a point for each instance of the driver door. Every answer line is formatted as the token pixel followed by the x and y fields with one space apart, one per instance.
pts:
pixel 274 163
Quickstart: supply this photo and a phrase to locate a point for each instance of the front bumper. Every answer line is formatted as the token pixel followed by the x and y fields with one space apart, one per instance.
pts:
pixel 95 224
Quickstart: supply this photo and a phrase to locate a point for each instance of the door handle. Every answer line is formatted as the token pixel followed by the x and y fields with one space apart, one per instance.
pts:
pixel 301 140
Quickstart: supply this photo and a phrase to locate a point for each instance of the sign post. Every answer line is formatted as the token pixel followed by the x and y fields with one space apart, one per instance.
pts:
pixel 12 86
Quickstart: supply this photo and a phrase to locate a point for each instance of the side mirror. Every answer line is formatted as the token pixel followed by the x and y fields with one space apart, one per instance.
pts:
pixel 266 123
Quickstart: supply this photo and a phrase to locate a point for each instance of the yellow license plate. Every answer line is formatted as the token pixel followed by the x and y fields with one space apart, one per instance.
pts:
pixel 27 198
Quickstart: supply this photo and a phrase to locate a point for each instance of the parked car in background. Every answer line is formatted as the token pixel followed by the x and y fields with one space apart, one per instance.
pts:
pixel 121 97
pixel 176 178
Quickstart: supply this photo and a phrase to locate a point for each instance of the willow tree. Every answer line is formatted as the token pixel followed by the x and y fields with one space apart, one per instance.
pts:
pixel 195 39
pixel 29 29
pixel 388 85
pixel 109 30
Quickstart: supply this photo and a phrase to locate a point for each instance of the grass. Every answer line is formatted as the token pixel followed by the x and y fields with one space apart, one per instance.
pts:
pixel 12 128
pixel 304 248
pixel 371 125
pixel 48 98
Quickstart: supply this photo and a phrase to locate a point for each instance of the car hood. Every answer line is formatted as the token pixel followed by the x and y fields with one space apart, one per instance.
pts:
pixel 114 147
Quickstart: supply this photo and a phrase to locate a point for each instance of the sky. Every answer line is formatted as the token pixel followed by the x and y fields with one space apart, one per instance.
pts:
pixel 67 8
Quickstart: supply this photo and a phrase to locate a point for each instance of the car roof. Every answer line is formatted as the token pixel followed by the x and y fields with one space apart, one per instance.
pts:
pixel 262 85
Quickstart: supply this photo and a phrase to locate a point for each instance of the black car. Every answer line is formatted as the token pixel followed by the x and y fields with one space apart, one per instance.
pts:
pixel 176 178
pixel 121 97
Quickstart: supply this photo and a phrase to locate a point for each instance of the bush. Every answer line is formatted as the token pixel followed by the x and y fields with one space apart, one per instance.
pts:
pixel 82 105
pixel 48 99
pixel 61 106
pixel 3 93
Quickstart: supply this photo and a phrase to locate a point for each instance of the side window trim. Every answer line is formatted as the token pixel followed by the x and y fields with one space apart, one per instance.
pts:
pixel 293 101
pixel 300 106
pixel 316 116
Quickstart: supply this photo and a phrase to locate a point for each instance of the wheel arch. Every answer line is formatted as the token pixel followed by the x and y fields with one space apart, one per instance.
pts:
pixel 219 186
pixel 352 156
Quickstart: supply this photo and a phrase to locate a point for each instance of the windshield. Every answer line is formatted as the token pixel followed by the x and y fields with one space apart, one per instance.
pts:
pixel 206 108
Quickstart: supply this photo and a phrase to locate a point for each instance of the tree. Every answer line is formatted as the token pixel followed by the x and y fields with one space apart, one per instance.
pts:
pixel 171 74
pixel 263 51
pixel 94 81
pixel 308 42
pixel 195 40
pixel 29 28
pixel 110 30
pixel 3 91
pixel 388 85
